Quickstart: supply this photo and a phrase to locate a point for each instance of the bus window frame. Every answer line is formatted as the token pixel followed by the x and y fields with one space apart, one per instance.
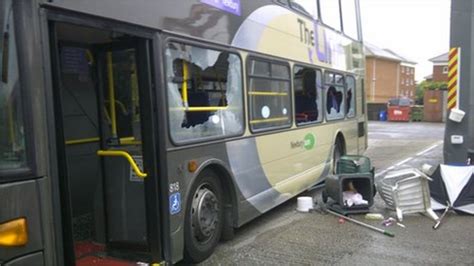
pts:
pixel 269 60
pixel 316 17
pixel 353 96
pixel 334 72
pixel 169 38
pixel 321 19
pixel 30 170
pixel 341 11
pixel 323 96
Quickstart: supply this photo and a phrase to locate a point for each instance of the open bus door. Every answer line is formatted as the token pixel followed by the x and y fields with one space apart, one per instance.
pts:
pixel 106 146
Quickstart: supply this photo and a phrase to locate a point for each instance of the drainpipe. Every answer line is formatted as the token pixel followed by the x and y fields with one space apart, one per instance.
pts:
pixel 373 78
pixel 398 80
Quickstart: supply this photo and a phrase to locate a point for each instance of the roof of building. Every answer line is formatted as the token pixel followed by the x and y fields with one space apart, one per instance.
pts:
pixel 403 59
pixel 429 77
pixel 440 58
pixel 372 50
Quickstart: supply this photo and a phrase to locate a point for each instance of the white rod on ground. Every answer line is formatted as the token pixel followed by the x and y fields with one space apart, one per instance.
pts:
pixel 385 232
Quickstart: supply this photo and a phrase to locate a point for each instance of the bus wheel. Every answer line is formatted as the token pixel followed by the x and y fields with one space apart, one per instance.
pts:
pixel 338 152
pixel 204 217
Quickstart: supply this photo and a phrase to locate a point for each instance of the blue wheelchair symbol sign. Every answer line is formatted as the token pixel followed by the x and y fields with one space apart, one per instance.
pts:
pixel 175 203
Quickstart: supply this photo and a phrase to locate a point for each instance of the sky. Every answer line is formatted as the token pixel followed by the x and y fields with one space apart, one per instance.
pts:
pixel 415 29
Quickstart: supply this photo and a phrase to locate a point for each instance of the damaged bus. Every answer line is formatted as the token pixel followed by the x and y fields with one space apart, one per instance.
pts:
pixel 146 131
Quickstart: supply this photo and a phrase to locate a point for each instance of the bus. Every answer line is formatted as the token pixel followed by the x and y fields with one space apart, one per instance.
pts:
pixel 144 132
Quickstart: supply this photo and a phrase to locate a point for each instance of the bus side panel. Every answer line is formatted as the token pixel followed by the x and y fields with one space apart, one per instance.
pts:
pixel 181 180
pixel 171 15
pixel 31 259
pixel 21 200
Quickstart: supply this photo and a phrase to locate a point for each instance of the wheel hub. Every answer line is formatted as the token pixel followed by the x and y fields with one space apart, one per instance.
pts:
pixel 205 214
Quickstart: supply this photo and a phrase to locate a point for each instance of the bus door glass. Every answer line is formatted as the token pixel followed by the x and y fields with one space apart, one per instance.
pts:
pixel 101 85
pixel 12 135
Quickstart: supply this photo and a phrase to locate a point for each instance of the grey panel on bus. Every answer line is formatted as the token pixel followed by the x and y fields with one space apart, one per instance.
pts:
pixel 23 198
pixel 125 199
pixel 190 17
pixel 28 260
pixel 249 175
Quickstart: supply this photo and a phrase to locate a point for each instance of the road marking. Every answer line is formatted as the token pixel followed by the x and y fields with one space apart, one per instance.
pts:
pixel 429 149
pixel 404 161
pixel 408 159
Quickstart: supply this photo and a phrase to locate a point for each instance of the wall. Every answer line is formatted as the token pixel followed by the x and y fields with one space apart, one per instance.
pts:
pixel 438 74
pixel 407 82
pixel 385 83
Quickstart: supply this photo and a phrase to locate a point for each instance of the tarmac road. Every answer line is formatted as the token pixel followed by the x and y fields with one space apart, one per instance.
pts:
pixel 284 236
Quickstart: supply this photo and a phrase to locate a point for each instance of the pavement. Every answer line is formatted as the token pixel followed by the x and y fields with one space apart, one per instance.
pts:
pixel 285 236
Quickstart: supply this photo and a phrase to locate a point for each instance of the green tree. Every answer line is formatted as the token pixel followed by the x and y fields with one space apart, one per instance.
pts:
pixel 428 85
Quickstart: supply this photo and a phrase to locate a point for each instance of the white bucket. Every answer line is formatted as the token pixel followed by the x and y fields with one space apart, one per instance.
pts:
pixel 456 115
pixel 427 169
pixel 304 204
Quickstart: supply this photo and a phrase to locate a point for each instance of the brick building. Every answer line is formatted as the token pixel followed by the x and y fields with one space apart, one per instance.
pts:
pixel 440 68
pixel 388 75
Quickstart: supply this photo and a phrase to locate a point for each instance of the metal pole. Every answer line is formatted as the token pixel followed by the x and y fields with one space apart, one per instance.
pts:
pixel 385 232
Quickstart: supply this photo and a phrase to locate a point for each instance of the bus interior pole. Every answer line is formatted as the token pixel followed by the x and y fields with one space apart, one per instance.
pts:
pixel 462 22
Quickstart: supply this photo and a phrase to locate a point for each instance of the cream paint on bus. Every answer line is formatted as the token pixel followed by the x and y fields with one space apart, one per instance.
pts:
pixel 289 164
pixel 277 31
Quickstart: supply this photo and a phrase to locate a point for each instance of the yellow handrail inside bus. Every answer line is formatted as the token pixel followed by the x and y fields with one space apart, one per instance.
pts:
pixel 82 141
pixel 124 141
pixel 127 156
pixel 184 85
pixel 130 141
pixel 257 121
pixel 184 88
pixel 205 108
pixel 268 93
pixel 110 75
pixel 89 57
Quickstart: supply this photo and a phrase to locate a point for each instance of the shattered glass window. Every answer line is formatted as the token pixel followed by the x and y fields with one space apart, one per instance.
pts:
pixel 335 99
pixel 307 83
pixel 204 93
pixel 350 96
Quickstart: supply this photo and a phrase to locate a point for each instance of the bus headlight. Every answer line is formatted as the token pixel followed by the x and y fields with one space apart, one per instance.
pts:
pixel 13 233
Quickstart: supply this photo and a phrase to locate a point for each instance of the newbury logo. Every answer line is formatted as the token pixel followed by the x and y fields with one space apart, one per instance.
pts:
pixel 307 143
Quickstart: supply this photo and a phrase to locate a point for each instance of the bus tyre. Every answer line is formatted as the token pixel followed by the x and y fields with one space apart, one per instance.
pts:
pixel 204 217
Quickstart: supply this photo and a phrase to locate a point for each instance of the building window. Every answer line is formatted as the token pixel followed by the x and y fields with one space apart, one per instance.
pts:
pixel 12 130
pixel 204 92
pixel 308 95
pixel 403 81
pixel 445 70
pixel 269 95
pixel 403 69
pixel 335 100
